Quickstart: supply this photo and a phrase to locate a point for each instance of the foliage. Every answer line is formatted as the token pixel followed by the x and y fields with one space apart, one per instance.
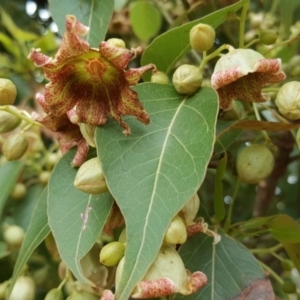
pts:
pixel 241 241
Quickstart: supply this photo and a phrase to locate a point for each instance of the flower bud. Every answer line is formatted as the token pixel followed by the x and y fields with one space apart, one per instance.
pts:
pixel 14 235
pixel 3 288
pixel 90 178
pixel 88 132
pixel 19 191
pixel 287 265
pixel 202 37
pixel 268 37
pixel 82 295
pixel 289 286
pixel 51 245
pixel 160 77
pixel 254 163
pixel 116 42
pixel 111 254
pixel 176 232
pixel 24 289
pixel 15 146
pixel 54 294
pixel 187 79
pixel 8 122
pixel 288 100
pixel 44 177
pixel 190 209
pixel 8 92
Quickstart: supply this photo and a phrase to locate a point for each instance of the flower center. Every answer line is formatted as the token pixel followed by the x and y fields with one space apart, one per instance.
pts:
pixel 96 69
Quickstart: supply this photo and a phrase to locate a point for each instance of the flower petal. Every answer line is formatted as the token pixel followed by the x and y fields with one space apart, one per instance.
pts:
pixel 134 75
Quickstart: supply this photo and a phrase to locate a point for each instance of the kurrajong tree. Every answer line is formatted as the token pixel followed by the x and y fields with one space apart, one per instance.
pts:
pixel 113 129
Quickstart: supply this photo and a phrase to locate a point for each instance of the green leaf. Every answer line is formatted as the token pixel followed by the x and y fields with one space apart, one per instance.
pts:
pixel 224 140
pixel 232 271
pixel 9 173
pixel 10 45
pixel 145 19
pixel 153 172
pixel 256 223
pixel 219 205
pixel 76 218
pixel 95 14
pixel 37 231
pixel 169 47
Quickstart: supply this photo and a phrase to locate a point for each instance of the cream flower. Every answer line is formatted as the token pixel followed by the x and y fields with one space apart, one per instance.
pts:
pixel 241 74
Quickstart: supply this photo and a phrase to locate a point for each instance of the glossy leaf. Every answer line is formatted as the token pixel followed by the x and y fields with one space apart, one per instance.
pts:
pixel 95 14
pixel 145 19
pixel 36 232
pixel 232 271
pixel 9 173
pixel 169 47
pixel 76 218
pixel 154 171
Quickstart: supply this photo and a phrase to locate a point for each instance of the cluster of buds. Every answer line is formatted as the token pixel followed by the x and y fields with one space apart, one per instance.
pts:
pixel 167 274
pixel 15 144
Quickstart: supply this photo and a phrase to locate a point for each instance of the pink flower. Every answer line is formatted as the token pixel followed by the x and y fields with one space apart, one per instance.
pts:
pixel 92 84
pixel 241 74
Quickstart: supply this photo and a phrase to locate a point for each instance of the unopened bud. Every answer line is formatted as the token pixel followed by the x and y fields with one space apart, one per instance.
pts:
pixel 3 288
pixel 187 79
pixel 117 42
pixel 19 191
pixel 88 132
pixel 8 92
pixel 8 122
pixel 176 232
pixel 51 245
pixel 254 163
pixel 111 254
pixel 15 146
pixel 54 294
pixel 24 289
pixel 268 37
pixel 160 77
pixel 288 100
pixel 202 37
pixel 190 209
pixel 44 177
pixel 90 178
pixel 14 235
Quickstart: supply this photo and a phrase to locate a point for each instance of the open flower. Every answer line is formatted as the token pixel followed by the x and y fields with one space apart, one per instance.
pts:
pixel 240 75
pixel 92 83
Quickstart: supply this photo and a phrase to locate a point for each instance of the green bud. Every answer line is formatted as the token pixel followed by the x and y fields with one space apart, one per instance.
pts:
pixel 8 122
pixel 268 37
pixel 44 177
pixel 176 232
pixel 15 146
pixel 82 295
pixel 254 163
pixel 54 294
pixel 160 77
pixel 8 92
pixel 88 132
pixel 289 286
pixel 19 191
pixel 51 245
pixel 202 37
pixel 111 254
pixel 116 42
pixel 13 236
pixel 287 265
pixel 187 79
pixel 24 289
pixel 90 178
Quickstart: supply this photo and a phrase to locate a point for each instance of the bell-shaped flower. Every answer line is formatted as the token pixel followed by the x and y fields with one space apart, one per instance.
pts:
pixel 241 74
pixel 93 83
